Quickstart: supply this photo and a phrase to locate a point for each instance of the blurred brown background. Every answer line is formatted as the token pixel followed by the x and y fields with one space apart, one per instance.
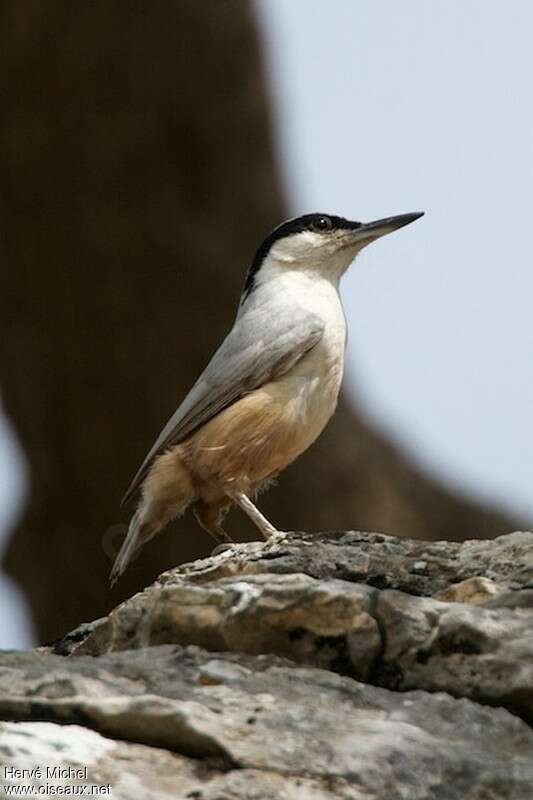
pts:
pixel 138 176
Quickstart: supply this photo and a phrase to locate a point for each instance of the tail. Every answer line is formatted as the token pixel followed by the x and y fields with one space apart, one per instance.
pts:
pixel 166 493
pixel 133 541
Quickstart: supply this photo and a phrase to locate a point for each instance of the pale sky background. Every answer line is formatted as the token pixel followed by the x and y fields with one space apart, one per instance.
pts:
pixel 384 108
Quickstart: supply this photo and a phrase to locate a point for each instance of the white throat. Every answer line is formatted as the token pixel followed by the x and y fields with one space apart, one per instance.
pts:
pixel 330 268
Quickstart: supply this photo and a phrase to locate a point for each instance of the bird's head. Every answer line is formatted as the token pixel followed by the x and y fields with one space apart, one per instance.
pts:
pixel 320 243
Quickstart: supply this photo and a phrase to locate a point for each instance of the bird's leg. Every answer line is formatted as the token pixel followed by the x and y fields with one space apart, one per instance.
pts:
pixel 210 518
pixel 265 527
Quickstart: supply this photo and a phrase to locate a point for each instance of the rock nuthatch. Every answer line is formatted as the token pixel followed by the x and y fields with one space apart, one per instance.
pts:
pixel 268 391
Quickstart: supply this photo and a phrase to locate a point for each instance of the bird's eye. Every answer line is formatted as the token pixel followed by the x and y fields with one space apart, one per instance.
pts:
pixel 322 224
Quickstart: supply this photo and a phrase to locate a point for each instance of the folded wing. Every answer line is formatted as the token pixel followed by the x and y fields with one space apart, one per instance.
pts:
pixel 245 361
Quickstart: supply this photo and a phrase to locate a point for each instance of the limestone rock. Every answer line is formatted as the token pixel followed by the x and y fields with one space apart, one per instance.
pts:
pixel 246 600
pixel 71 757
pixel 472 590
pixel 349 665
pixel 269 717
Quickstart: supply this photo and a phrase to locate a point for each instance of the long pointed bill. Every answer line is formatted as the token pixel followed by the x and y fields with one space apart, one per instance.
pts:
pixel 369 231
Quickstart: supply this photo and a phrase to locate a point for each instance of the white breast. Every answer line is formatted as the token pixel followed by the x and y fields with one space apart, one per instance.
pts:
pixel 312 386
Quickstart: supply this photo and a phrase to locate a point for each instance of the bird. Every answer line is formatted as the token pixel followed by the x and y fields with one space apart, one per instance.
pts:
pixel 268 391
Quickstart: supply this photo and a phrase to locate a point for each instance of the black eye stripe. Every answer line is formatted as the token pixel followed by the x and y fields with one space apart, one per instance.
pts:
pixel 287 228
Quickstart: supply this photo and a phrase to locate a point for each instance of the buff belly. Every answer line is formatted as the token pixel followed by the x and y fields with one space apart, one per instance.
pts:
pixel 243 447
pixel 257 437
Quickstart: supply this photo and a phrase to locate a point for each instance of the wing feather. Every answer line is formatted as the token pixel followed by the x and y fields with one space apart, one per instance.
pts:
pixel 244 362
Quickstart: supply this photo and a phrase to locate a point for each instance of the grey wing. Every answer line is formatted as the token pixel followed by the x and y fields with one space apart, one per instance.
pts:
pixel 246 360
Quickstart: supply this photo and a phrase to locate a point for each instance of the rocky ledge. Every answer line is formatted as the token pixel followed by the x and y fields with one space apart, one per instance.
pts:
pixel 341 665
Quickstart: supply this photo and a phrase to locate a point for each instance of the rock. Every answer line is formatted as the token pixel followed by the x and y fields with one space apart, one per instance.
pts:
pixel 272 718
pixel 381 636
pixel 385 562
pixel 71 757
pixel 473 590
pixel 351 665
